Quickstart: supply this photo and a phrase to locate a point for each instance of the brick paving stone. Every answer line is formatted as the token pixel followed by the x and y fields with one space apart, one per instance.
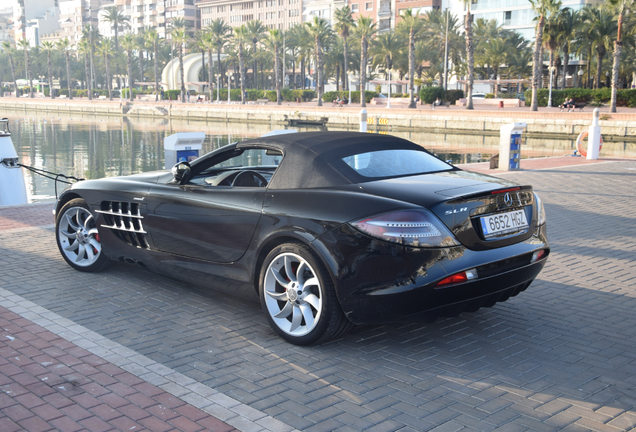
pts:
pixel 558 351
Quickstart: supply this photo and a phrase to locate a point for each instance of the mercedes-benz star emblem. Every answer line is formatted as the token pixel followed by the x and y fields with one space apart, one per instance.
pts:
pixel 508 199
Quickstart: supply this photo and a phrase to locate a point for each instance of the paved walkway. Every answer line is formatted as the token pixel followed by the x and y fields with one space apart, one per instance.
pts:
pixel 129 348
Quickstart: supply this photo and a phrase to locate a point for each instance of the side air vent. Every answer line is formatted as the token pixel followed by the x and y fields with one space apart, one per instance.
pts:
pixel 125 220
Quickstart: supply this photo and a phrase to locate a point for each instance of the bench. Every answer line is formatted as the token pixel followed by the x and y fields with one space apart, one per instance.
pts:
pixel 262 101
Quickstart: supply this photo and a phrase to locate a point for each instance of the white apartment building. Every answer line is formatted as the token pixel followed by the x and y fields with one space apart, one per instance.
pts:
pixel 41 15
pixel 324 9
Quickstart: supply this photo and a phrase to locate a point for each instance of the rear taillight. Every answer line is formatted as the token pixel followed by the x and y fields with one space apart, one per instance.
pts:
pixel 460 277
pixel 538 255
pixel 417 228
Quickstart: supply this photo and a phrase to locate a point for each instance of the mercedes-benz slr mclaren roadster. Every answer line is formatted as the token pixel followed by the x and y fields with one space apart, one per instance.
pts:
pixel 327 229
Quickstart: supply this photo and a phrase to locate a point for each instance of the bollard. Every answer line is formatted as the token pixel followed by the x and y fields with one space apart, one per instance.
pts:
pixel 12 186
pixel 594 137
pixel 363 120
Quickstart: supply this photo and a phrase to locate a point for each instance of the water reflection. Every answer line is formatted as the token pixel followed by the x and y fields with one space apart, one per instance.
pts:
pixel 93 147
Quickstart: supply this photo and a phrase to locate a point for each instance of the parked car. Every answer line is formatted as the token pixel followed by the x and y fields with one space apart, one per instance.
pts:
pixel 479 95
pixel 326 229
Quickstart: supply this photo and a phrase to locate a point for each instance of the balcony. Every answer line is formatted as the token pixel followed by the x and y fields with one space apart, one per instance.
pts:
pixel 384 12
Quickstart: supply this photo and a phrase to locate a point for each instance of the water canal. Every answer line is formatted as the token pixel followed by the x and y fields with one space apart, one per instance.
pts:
pixel 93 147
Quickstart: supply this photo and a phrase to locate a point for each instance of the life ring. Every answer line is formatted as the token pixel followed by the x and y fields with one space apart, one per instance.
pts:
pixel 579 143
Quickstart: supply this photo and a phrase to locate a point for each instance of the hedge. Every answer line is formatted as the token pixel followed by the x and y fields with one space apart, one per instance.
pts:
pixel 428 95
pixel 591 97
pixel 331 96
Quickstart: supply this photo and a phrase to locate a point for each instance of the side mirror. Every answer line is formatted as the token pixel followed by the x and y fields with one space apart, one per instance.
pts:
pixel 181 172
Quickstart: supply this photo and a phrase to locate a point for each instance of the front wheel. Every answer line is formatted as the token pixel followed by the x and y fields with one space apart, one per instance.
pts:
pixel 298 296
pixel 78 239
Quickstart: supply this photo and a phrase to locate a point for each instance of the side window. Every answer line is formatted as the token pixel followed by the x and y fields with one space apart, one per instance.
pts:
pixel 250 168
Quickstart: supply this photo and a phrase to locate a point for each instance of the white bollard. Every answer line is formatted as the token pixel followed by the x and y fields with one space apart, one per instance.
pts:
pixel 12 187
pixel 594 137
pixel 363 120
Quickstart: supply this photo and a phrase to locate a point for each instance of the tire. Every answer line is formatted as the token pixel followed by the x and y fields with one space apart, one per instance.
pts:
pixel 298 296
pixel 77 237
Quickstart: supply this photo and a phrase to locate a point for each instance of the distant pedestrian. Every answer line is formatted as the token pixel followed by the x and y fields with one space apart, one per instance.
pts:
pixel 163 95
pixel 188 95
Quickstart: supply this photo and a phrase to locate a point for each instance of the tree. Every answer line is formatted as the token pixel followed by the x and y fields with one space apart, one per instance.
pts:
pixel 115 17
pixel 320 31
pixel 180 38
pixel 242 37
pixel 600 26
pixel 385 48
pixel 622 7
pixel 153 40
pixel 365 30
pixel 9 50
pixel 93 37
pixel 64 45
pixel 84 47
pixel 48 48
pixel 272 44
pixel 129 43
pixel 24 44
pixel 569 23
pixel 411 27
pixel 142 44
pixel 106 50
pixel 470 54
pixel 220 33
pixel 344 24
pixel 207 43
pixel 256 31
pixel 494 53
pixel 542 8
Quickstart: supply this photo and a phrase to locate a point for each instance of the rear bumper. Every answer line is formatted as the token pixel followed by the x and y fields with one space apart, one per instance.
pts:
pixel 393 284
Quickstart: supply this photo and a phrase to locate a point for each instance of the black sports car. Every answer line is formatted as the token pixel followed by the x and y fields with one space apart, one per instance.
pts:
pixel 326 228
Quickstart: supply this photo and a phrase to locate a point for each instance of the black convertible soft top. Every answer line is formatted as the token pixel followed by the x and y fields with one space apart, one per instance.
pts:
pixel 314 159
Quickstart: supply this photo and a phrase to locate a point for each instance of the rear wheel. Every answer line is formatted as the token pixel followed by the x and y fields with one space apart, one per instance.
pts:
pixel 78 239
pixel 298 296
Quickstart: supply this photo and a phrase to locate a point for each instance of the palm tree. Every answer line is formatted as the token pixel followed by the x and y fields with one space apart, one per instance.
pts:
pixel 24 44
pixel 48 48
pixel 207 43
pixel 411 27
pixel 242 37
pixel 542 8
pixel 320 31
pixel 622 7
pixel 470 54
pixel 142 44
pixel 519 63
pixel 180 38
pixel 551 35
pixel 153 39
pixel 64 45
pixel 9 50
pixel 84 47
pixel 385 49
pixel 129 43
pixel 220 33
pixel 115 17
pixel 344 24
pixel 569 23
pixel 93 36
pixel 256 31
pixel 106 50
pixel 494 53
pixel 365 30
pixel 272 43
pixel 600 26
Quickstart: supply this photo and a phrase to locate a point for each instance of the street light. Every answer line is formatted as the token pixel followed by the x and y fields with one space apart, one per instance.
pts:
pixel 269 81
pixel 580 74
pixel 229 84
pixel 218 76
pixel 388 105
pixel 40 78
pixel 350 74
pixel 550 92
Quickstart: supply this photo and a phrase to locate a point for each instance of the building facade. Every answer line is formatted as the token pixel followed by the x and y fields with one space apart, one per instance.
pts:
pixel 274 14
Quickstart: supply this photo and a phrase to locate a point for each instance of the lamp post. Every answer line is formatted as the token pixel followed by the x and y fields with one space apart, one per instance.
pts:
pixel 550 92
pixel 388 105
pixel 269 81
pixel 229 85
pixel 349 73
pixel 218 77
pixel 580 74
pixel 40 78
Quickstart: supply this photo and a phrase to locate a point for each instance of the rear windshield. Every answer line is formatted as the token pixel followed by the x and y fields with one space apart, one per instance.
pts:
pixel 394 163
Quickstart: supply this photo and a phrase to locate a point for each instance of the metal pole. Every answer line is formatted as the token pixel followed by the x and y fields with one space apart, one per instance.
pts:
pixel 229 87
pixel 550 92
pixel 388 105
pixel 446 54
pixel 217 86
pixel 349 83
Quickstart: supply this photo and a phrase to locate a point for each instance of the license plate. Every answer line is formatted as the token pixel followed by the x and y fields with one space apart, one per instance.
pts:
pixel 504 223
